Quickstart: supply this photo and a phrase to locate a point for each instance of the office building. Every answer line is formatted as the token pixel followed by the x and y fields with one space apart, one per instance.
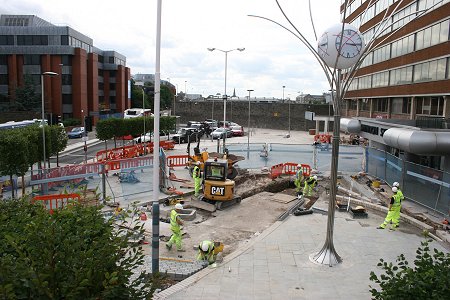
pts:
pixel 404 82
pixel 90 81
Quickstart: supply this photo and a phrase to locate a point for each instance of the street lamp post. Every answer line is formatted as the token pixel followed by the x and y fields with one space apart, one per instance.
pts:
pixel 225 94
pixel 143 112
pixel 44 171
pixel 185 91
pixel 289 117
pixel 248 127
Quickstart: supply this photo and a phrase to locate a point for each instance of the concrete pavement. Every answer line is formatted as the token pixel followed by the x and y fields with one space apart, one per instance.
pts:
pixel 277 265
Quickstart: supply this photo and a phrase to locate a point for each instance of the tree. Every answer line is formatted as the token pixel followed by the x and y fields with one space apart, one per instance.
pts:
pixel 26 97
pixel 14 155
pixel 73 253
pixel 428 279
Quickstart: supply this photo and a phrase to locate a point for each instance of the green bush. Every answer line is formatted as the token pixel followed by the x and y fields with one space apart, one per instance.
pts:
pixel 74 253
pixel 428 279
pixel 72 122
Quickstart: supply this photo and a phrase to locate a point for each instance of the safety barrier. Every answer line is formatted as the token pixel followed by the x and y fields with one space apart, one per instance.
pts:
pixel 289 168
pixel 177 160
pixel 52 202
pixel 276 171
pixel 131 151
pixel 323 138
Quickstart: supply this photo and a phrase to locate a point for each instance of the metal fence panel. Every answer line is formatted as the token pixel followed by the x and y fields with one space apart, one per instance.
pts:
pixel 376 163
pixel 394 169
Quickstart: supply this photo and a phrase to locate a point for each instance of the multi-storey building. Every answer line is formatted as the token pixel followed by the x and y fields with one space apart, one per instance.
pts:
pixel 90 80
pixel 404 82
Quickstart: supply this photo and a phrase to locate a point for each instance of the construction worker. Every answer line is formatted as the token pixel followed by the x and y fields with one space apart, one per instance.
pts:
pixel 206 252
pixel 197 175
pixel 298 179
pixel 397 185
pixel 395 206
pixel 309 184
pixel 175 226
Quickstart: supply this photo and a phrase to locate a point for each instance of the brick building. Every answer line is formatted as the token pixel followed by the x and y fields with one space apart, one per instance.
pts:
pixel 404 82
pixel 90 80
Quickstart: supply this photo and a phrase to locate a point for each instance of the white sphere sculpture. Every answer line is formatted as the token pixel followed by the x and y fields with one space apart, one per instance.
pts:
pixel 344 45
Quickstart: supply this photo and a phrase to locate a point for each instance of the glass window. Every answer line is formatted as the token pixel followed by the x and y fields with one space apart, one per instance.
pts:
pixel 419 40
pixel 397 105
pixel 112 99
pixel 435 34
pixel 32 59
pixel 111 59
pixel 381 105
pixel 7 40
pixel 4 60
pixel 64 40
pixel 427 37
pixel 364 105
pixel 112 86
pixel 67 98
pixel 440 69
pixel 444 31
pixel 66 79
pixel 66 60
pixel 4 79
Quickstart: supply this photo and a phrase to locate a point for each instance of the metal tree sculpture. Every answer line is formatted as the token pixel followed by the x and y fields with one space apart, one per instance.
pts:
pixel 340 82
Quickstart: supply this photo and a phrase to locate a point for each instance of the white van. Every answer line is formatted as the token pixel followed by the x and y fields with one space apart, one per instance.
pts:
pixel 137 112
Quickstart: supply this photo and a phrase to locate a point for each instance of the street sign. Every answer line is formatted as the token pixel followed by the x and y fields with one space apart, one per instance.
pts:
pixel 84 138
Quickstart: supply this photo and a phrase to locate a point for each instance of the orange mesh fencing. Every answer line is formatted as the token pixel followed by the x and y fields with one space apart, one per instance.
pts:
pixel 52 202
pixel 177 160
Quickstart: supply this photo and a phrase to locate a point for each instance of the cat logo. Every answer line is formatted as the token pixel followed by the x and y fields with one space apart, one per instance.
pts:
pixel 217 190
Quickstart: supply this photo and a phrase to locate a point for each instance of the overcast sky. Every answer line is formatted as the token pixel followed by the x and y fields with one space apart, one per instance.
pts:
pixel 272 57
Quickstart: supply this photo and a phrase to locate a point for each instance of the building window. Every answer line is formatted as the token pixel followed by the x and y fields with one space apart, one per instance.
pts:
pixel 111 59
pixel 67 98
pixel 364 105
pixel 7 40
pixel 34 59
pixel 66 79
pixel 112 86
pixel 381 105
pixel 112 99
pixel 4 60
pixel 64 40
pixel 66 60
pixel 101 58
pixel 112 74
pixel 431 70
pixel 352 104
pixel 30 40
pixel 101 86
pixel 433 106
pixel 100 72
pixel 401 105
pixel 3 79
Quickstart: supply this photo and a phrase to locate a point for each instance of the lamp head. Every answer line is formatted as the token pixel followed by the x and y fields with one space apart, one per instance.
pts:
pixel 241 49
pixel 50 74
pixel 211 49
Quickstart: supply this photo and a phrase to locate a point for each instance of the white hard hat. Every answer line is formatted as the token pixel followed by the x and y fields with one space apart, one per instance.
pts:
pixel 204 246
pixel 299 166
pixel 198 163
pixel 315 177
pixel 394 189
pixel 396 184
pixel 178 206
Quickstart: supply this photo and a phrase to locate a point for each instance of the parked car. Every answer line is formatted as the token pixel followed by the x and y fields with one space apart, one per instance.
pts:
pixel 219 133
pixel 237 130
pixel 76 132
pixel 185 135
pixel 148 137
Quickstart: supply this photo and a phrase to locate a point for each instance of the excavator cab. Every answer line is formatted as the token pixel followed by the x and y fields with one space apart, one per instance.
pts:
pixel 217 188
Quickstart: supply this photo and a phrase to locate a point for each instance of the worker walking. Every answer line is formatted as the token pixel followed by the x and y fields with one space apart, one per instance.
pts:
pixel 175 226
pixel 206 252
pixel 298 179
pixel 395 206
pixel 197 176
pixel 309 184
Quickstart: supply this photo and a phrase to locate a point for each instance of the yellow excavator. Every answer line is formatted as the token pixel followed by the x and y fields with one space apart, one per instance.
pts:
pixel 204 156
pixel 217 188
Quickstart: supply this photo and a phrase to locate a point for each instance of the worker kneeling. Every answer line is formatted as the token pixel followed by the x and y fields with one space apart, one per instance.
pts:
pixel 208 250
pixel 310 183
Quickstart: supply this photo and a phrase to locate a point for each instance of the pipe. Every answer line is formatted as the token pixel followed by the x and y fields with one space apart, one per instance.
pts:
pixel 350 125
pixel 418 141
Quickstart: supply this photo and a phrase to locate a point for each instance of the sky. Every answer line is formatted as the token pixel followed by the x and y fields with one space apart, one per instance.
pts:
pixel 272 58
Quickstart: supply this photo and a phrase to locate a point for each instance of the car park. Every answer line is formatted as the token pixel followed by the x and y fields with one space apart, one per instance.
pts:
pixel 220 133
pixel 76 132
pixel 237 130
pixel 185 135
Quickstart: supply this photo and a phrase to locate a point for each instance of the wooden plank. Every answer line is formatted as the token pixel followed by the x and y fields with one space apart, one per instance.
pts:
pixel 201 205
